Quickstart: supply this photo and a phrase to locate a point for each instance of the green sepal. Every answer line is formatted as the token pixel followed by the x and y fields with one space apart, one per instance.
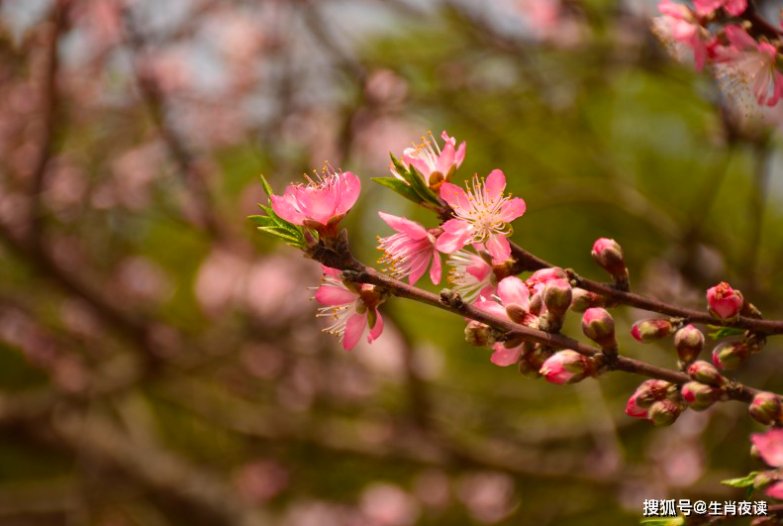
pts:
pixel 718 332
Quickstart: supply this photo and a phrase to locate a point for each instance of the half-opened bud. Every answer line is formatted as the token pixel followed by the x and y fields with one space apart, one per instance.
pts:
pixel 598 325
pixel 566 367
pixel 765 408
pixel 652 329
pixel 724 302
pixel 689 342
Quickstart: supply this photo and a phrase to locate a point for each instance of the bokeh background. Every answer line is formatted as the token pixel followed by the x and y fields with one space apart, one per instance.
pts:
pixel 160 363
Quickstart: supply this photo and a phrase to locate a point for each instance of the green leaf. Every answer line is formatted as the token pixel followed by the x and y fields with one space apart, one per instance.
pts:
pixel 719 332
pixel 266 185
pixel 415 180
pixel 400 187
pixel 743 482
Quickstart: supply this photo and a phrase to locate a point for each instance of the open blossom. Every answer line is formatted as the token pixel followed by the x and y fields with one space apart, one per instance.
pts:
pixel 724 301
pixel 751 63
pixel 435 164
pixel 352 309
pixel 410 251
pixel 679 25
pixel 472 275
pixel 319 204
pixel 511 302
pixel 770 446
pixel 482 214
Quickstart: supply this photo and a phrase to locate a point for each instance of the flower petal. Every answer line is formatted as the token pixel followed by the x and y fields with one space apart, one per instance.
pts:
pixel 436 269
pixel 512 209
pixel 350 186
pixel 495 184
pixel 454 196
pixel 376 331
pixel 770 446
pixel 330 295
pixel 354 328
pixel 405 226
pixel 513 291
pixel 455 236
pixel 503 357
pixel 283 207
pixel 775 491
pixel 499 248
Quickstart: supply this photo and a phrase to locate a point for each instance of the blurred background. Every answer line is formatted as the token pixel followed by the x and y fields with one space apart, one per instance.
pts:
pixel 160 363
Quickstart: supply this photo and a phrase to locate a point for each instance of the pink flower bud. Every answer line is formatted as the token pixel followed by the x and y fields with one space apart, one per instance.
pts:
pixel 705 373
pixel 633 409
pixel 689 342
pixel 765 408
pixel 557 296
pixel 699 396
pixel 652 329
pixel 664 412
pixel 566 367
pixel 598 325
pixel 478 334
pixel 728 356
pixel 724 302
pixel 582 299
pixel 608 253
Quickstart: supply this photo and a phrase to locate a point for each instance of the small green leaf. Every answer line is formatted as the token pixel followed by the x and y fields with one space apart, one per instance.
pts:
pixel 266 185
pixel 743 482
pixel 400 187
pixel 719 332
pixel 417 182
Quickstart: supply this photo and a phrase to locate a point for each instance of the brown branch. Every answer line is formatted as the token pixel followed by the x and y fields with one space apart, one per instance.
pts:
pixel 355 271
pixel 49 105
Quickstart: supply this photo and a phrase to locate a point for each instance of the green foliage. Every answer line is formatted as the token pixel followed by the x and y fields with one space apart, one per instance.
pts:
pixel 276 226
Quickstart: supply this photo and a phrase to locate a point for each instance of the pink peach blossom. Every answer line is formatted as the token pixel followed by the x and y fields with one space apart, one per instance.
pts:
pixel 472 273
pixel 410 251
pixel 732 7
pixel 678 24
pixel 770 447
pixel 752 63
pixel 319 204
pixel 352 309
pixel 482 214
pixel 436 165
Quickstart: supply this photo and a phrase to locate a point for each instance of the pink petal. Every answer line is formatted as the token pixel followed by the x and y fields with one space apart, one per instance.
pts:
pixel 775 491
pixel 318 204
pixel 491 307
pixel 350 186
pixel 503 357
pixel 354 328
pixel 331 295
pixel 283 207
pixel 455 236
pixel 331 272
pixel 418 267
pixel 706 7
pixel 436 268
pixel 512 209
pixel 499 248
pixel 446 159
pixel 454 196
pixel 770 446
pixel 738 37
pixel 513 291
pixel 405 226
pixel 494 185
pixel 460 155
pixel 735 7
pixel 376 331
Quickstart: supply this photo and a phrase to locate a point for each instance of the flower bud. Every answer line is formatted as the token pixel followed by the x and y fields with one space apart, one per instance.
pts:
pixel 765 408
pixel 652 329
pixel 566 367
pixel 582 299
pixel 705 373
pixel 689 342
pixel 664 412
pixel 598 325
pixel 478 334
pixel 609 254
pixel 633 409
pixel 724 302
pixel 557 296
pixel 699 396
pixel 728 356
pixel 647 393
